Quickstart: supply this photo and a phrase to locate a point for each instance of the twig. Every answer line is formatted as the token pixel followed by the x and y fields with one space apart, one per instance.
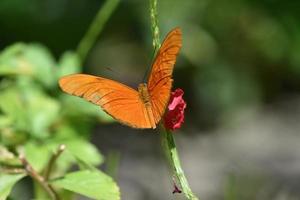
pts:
pixel 95 28
pixel 7 170
pixel 38 178
pixel 52 160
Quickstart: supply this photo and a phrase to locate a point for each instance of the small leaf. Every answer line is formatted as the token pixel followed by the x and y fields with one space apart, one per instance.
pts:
pixel 42 112
pixel 42 62
pixel 85 166
pixel 8 157
pixel 37 155
pixel 93 184
pixel 8 62
pixel 85 151
pixel 7 181
pixel 76 151
pixel 11 106
pixel 33 60
pixel 29 108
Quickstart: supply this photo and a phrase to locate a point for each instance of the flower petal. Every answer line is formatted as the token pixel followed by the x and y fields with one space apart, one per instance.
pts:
pixel 174 116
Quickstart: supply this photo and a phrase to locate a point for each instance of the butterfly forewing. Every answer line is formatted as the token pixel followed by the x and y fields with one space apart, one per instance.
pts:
pixel 120 101
pixel 160 79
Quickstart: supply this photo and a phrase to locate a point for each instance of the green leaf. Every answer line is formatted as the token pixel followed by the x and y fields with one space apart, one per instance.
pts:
pixel 85 166
pixel 93 184
pixel 76 150
pixel 85 151
pixel 29 59
pixel 29 108
pixel 8 62
pixel 5 121
pixel 12 106
pixel 42 112
pixel 69 63
pixel 7 181
pixel 8 157
pixel 66 131
pixel 37 155
pixel 42 63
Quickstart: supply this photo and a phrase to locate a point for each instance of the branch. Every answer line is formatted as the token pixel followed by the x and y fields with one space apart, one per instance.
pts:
pixel 38 178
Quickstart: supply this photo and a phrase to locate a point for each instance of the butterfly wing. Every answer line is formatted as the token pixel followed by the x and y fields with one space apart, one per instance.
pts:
pixel 120 101
pixel 160 79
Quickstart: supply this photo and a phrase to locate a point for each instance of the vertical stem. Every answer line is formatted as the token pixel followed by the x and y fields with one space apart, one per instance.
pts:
pixel 112 163
pixel 154 25
pixel 168 142
pixel 95 28
pixel 169 147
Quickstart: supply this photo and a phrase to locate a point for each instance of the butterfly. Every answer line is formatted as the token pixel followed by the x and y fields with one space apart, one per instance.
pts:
pixel 141 108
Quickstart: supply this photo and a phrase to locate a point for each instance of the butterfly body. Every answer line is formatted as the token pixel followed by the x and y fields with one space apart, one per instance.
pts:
pixel 145 98
pixel 143 93
pixel 141 108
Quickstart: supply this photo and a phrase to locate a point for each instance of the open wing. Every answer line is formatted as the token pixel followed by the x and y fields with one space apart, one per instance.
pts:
pixel 120 101
pixel 160 79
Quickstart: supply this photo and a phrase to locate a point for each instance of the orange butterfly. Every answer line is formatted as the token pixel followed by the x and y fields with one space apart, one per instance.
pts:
pixel 142 108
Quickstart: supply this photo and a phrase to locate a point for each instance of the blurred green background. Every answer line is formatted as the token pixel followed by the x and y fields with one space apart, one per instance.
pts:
pixel 239 68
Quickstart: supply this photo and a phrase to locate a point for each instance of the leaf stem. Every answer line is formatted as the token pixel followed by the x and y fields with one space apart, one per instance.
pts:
pixel 95 28
pixel 38 178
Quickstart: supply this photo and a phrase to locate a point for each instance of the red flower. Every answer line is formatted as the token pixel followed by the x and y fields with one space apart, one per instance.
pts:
pixel 174 116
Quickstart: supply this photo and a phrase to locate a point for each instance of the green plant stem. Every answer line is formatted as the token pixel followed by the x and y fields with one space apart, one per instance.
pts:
pixel 169 147
pixel 38 178
pixel 112 163
pixel 95 28
pixel 154 25
pixel 12 170
pixel 52 160
pixel 168 142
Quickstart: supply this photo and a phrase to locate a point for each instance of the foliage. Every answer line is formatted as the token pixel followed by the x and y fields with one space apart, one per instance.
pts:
pixel 89 183
pixel 7 181
pixel 36 118
pixel 235 54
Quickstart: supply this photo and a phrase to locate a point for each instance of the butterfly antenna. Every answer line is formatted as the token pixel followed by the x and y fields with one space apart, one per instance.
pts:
pixel 113 71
